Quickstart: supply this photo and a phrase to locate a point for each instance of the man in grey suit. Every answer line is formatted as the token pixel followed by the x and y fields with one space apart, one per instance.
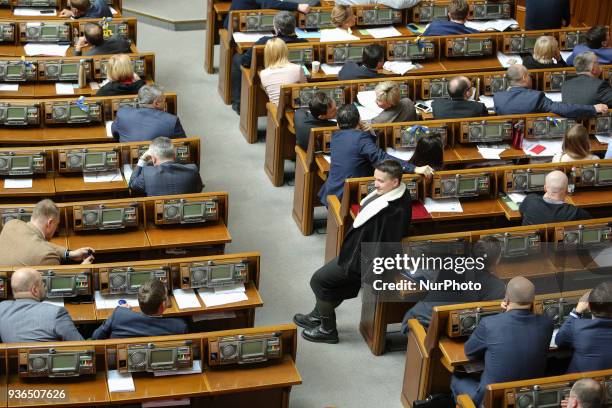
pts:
pixel 94 37
pixel 149 120
pixel 587 88
pixel 27 318
pixel 164 176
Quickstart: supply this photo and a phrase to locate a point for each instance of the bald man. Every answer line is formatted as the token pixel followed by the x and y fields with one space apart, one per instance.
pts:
pixel 513 344
pixel 458 106
pixel 551 207
pixel 585 393
pixel 27 318
pixel 521 99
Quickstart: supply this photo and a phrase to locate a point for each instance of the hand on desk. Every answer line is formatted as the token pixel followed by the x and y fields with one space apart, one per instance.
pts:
pixel 65 13
pixel 82 254
pixel 424 170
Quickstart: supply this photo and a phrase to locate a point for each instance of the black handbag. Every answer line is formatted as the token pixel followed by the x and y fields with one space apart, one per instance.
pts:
pixel 434 401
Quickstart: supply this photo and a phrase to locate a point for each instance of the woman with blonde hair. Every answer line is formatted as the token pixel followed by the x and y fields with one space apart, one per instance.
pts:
pixel 343 18
pixel 121 77
pixel 545 54
pixel 395 108
pixel 576 146
pixel 278 69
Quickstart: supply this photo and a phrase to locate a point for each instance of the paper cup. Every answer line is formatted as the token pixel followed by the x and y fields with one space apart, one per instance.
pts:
pixel 316 65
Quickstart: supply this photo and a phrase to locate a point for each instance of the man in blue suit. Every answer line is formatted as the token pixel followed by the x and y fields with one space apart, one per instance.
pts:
pixel 513 344
pixel 269 4
pixel 373 58
pixel 87 9
pixel 149 120
pixel 165 176
pixel 353 153
pixel 124 322
pixel 457 15
pixel 598 41
pixel 590 339
pixel 521 99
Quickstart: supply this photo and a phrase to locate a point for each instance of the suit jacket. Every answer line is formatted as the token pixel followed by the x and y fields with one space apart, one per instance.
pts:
pixel 98 9
pixel 260 4
pixel 112 45
pixel 288 39
pixel 530 63
pixel 353 153
pixel 546 14
pixel 28 320
pixel 591 342
pixel 402 112
pixel 604 55
pixel 454 109
pixel 23 244
pixel 514 346
pixel 587 90
pixel 304 121
pixel 447 27
pixel 166 179
pixel 113 88
pixel 519 100
pixel 127 323
pixel 141 124
pixel 351 70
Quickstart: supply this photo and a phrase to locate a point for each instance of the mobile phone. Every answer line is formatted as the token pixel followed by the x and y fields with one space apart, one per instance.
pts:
pixel 47 11
pixel 413 28
pixel 422 106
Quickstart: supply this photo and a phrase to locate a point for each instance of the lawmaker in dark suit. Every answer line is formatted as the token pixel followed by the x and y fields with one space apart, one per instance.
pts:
pixel 321 110
pixel 87 9
pixel 551 208
pixel 457 15
pixel 266 4
pixel 94 37
pixel 384 216
pixel 124 322
pixel 521 99
pixel 458 106
pixel 546 14
pixel 164 176
pixel 284 28
pixel 587 88
pixel 353 153
pixel 27 318
pixel 149 120
pixel 373 59
pixel 589 338
pixel 598 41
pixel 513 344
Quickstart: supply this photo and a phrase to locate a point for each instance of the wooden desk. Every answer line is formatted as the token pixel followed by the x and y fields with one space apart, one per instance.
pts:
pixel 41 187
pixel 171 236
pixel 26 90
pixel 82 312
pixel 49 136
pixel 471 209
pixel 149 387
pixel 453 353
pixel 110 241
pixel 469 153
pixel 60 239
pixel 590 198
pixel 530 268
pixel 76 185
pixel 8 50
pixel 472 65
pixel 89 390
pixel 48 90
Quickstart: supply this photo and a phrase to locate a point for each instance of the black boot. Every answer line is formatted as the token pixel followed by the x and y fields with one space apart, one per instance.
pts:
pixel 319 335
pixel 307 321
pixel 326 332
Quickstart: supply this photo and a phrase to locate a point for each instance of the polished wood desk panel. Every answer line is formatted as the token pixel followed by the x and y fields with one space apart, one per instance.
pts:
pixel 453 352
pixel 26 90
pixel 590 198
pixel 472 65
pixel 148 387
pixel 82 312
pixel 110 241
pixel 49 136
pixel 467 153
pixel 41 187
pixel 91 390
pixel 60 238
pixel 77 185
pixel 8 50
pixel 182 236
pixel 471 209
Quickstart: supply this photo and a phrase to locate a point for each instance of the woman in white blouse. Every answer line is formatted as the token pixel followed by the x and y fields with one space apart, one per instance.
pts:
pixel 278 70
pixel 576 146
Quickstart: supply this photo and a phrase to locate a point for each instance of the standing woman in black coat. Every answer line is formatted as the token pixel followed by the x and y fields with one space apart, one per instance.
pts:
pixel 384 217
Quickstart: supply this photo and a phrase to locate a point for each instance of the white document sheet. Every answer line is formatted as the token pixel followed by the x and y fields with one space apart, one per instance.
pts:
pixel 491 153
pixel 553 344
pixel 488 101
pixel 507 60
pixel 18 183
pixel 127 172
pixel 9 87
pixel 236 288
pixel 113 11
pixel 554 96
pixel 366 114
pixel 53 50
pixel 331 69
pixel 517 197
pixel 186 298
pixel 400 67
pixel 58 302
pixel 443 205
pixel 327 157
pixel 500 24
pixel 62 88
pixel 384 32
pixel 112 301
pixel 404 154
pixel 565 55
pixel 120 382
pixel 103 176
pixel 94 86
pixel 551 147
pixel 210 298
pixel 195 369
pixel 109 131
pixel 603 139
pixel 29 11
pixel 336 34
pixel 248 37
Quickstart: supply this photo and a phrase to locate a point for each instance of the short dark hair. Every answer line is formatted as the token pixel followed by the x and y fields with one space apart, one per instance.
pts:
pixel 458 9
pixel 94 34
pixel 284 22
pixel 347 116
pixel 429 151
pixel 81 5
pixel 391 167
pixel 372 55
pixel 600 300
pixel 319 104
pixel 596 36
pixel 151 295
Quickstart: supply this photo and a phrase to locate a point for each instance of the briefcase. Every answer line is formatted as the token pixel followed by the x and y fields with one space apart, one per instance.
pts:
pixel 434 401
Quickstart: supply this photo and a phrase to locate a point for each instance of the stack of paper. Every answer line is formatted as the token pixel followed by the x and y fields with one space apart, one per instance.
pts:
pixel 542 147
pixel 219 297
pixel 369 109
pixel 103 176
pixel 112 301
pixel 488 101
pixel 404 154
pixel 38 12
pixel 120 382
pixel 9 87
pixel 62 88
pixel 384 32
pixel 331 69
pixel 195 369
pixel 501 24
pixel 186 299
pixel 604 139
pixel 517 197
pixel 307 34
pixel 248 37
pixel 127 172
pixel 53 50
pixel 337 34
pixel 443 205
pixel 554 96
pixel 400 67
pixel 18 183
pixel 109 130
pixel 490 152
pixel 507 60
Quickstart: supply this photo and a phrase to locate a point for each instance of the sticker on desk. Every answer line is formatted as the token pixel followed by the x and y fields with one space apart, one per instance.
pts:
pixel 186 298
pixel 18 183
pixel 195 369
pixel 120 382
pixel 103 176
pixel 167 402
pixel 9 87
